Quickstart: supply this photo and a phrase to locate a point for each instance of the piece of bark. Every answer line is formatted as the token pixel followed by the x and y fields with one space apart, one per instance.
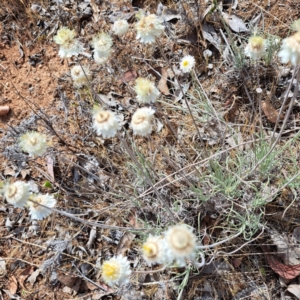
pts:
pixel 4 110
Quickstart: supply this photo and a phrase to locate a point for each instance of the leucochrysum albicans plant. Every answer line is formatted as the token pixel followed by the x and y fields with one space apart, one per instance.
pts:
pixel 116 271
pixel 18 195
pixel 102 44
pixel 34 143
pixel 141 122
pixel 181 244
pixel 290 49
pixel 37 211
pixel 68 45
pixel 120 27
pixel 177 244
pixel 256 47
pixel 80 75
pixel 187 63
pixel 105 122
pixel 145 90
pixel 154 250
pixel 148 27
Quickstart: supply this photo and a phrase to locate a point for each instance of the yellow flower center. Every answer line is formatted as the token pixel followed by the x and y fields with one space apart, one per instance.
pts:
pixel 77 72
pixel 179 240
pixel 33 141
pixel 38 200
pixel 150 249
pixel 110 270
pixel 139 119
pixel 12 190
pixel 143 87
pixel 256 43
pixel 102 117
pixel 185 63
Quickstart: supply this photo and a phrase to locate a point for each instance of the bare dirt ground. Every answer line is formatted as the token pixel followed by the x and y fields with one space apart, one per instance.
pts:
pixel 102 181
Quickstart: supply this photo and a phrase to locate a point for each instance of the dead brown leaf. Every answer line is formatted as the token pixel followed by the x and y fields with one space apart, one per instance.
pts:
pixel 162 77
pixel 237 262
pixel 32 278
pixel 285 271
pixel 12 285
pixel 125 243
pixel 270 112
pixel 24 274
pixel 25 172
pixel 66 279
pixel 128 76
pixel 133 218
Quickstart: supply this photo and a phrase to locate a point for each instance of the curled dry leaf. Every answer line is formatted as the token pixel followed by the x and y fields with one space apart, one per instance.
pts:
pixel 125 243
pixel 285 271
pixel 23 275
pixel 32 278
pixel 4 110
pixel 294 289
pixel 235 23
pixel 162 75
pixel 270 112
pixel 2 267
pixel 67 279
pixel 92 237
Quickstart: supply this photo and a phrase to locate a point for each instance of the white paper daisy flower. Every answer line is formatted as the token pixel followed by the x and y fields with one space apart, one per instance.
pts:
pixel 141 122
pixel 290 49
pixel 116 271
pixel 154 250
pixel 64 36
pixel 181 244
pixel 187 63
pixel 80 75
pixel 148 28
pixel 120 27
pixel 102 44
pixel 67 50
pixel 16 193
pixel 146 90
pixel 256 47
pixel 100 59
pixel 39 212
pixel 105 122
pixel 34 143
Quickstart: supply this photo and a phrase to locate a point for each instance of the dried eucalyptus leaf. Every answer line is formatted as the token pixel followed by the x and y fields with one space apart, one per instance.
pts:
pixel 254 22
pixel 32 278
pixel 166 13
pixel 211 35
pixel 2 267
pixel 178 92
pixel 235 23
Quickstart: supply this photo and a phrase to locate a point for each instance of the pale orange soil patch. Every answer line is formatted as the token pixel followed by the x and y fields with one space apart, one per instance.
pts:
pixel 35 83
